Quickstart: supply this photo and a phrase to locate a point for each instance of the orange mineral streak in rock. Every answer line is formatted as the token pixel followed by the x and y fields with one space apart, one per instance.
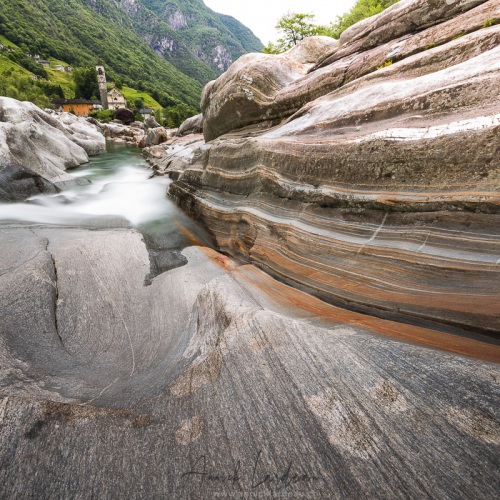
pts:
pixel 295 303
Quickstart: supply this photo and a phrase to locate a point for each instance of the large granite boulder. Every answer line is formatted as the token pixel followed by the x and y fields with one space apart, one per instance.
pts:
pixel 126 116
pixel 193 125
pixel 245 94
pixel 382 193
pixel 45 144
pixel 19 183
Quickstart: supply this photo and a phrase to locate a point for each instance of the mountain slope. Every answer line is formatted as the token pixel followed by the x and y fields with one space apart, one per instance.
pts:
pixel 195 39
pixel 173 47
pixel 72 31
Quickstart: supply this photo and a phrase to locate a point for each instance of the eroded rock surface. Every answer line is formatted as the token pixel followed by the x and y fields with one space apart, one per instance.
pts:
pixel 246 93
pixel 45 144
pixel 175 155
pixel 381 193
pixel 215 368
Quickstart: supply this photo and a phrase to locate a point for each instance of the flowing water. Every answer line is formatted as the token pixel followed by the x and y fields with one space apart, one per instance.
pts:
pixel 121 194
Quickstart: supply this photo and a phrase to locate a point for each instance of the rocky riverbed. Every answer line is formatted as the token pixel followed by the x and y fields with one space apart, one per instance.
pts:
pixel 329 331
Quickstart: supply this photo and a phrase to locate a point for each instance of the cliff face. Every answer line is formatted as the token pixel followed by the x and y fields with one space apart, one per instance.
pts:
pixel 195 39
pixel 367 172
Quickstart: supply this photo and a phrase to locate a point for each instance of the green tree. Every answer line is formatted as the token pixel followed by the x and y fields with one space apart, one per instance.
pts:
pixel 273 48
pixel 293 28
pixel 23 88
pixel 19 57
pixel 103 115
pixel 138 103
pixel 175 115
pixel 85 83
pixel 361 10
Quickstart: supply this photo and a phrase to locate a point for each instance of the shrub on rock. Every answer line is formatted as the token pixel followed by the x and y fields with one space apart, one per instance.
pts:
pixel 124 115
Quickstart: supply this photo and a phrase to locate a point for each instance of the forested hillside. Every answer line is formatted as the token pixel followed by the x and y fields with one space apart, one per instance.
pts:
pixel 71 31
pixel 171 48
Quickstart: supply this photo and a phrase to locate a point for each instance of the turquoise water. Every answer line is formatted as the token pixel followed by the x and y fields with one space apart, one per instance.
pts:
pixel 121 194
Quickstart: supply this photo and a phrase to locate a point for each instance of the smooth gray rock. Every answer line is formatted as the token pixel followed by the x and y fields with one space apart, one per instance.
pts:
pixel 44 143
pixel 156 136
pixel 193 125
pixel 216 380
pixel 150 122
pixel 18 183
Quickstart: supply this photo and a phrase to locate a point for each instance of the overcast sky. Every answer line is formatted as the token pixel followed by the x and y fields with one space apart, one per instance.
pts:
pixel 261 15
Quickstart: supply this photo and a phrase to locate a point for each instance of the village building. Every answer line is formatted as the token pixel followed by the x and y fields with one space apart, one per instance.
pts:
pixel 44 63
pixel 59 67
pixel 101 82
pixel 116 99
pixel 80 107
pixel 145 112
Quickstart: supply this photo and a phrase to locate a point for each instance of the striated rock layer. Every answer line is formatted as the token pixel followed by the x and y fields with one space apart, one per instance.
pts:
pixel 213 380
pixel 381 191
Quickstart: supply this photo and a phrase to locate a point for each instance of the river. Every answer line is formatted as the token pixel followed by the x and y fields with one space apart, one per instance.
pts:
pixel 121 194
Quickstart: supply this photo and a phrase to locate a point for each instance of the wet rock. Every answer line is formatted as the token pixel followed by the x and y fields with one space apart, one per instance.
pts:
pixel 18 183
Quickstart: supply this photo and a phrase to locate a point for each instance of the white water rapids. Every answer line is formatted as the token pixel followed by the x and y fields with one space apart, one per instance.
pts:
pixel 121 191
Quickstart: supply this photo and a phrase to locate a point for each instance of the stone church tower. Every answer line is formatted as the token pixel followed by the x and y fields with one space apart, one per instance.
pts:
pixel 101 80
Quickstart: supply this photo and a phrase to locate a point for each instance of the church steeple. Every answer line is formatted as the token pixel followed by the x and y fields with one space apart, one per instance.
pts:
pixel 101 80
